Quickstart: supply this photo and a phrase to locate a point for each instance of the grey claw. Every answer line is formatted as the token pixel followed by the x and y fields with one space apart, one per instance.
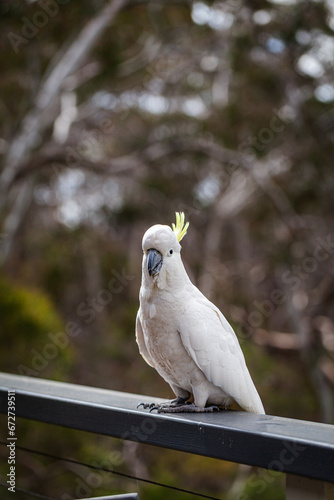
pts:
pixel 145 405
pixel 153 407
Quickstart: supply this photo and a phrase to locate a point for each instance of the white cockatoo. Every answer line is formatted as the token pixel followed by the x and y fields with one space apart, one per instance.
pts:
pixel 184 336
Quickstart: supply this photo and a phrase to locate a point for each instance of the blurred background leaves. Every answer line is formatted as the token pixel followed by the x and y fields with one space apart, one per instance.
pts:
pixel 113 115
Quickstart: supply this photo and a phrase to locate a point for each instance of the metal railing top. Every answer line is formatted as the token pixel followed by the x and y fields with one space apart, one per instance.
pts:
pixel 283 444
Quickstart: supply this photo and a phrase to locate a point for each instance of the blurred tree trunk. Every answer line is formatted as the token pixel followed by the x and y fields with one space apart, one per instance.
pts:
pixel 40 115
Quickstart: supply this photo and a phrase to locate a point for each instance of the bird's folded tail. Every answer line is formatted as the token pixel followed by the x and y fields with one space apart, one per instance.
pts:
pixel 253 401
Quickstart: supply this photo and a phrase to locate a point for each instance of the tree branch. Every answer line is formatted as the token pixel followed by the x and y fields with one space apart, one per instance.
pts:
pixel 32 125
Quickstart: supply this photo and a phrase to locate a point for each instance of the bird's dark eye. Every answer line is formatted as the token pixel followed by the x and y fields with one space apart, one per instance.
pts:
pixel 171 251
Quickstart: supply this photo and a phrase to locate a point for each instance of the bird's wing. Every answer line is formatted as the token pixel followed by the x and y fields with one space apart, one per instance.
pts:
pixel 141 342
pixel 211 342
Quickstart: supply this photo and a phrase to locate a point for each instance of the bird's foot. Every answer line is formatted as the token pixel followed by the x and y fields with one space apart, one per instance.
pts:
pixel 178 406
pixel 146 405
pixel 186 408
pixel 160 407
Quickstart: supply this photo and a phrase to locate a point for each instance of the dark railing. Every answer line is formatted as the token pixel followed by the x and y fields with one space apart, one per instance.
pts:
pixel 303 450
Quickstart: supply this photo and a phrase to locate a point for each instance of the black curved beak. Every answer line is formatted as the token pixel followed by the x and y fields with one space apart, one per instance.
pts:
pixel 154 262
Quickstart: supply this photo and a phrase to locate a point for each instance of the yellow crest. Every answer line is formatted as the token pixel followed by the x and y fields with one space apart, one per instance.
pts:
pixel 180 229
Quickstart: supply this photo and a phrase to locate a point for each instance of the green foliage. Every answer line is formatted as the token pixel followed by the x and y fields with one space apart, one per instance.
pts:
pixel 281 378
pixel 27 317
pixel 263 485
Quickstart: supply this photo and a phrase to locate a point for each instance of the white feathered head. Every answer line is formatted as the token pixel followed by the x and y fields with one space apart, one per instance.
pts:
pixel 161 249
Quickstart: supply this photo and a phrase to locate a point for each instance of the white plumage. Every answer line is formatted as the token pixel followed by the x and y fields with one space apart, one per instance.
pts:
pixel 184 336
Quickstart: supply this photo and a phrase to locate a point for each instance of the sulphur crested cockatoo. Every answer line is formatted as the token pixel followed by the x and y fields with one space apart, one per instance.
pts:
pixel 184 336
